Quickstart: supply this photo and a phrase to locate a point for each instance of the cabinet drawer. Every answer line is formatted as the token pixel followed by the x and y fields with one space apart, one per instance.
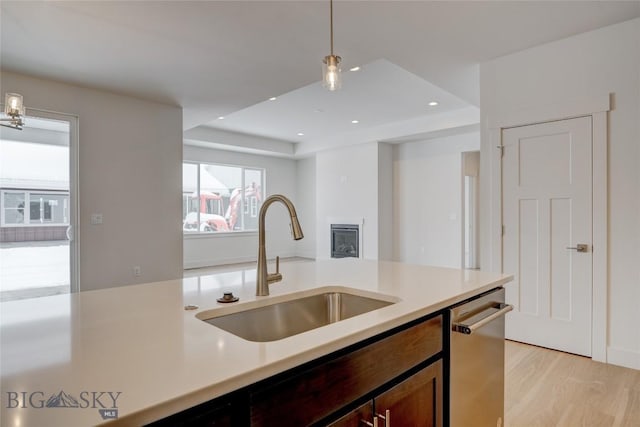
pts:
pixel 315 393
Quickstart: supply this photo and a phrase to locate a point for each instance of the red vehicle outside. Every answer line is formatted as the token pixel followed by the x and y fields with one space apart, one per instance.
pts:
pixel 210 206
pixel 252 199
pixel 212 213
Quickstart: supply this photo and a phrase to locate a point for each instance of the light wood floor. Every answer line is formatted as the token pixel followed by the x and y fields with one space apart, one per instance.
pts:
pixel 551 388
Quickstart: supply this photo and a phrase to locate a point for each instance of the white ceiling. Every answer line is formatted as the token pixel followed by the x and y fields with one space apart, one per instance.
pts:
pixel 378 93
pixel 227 58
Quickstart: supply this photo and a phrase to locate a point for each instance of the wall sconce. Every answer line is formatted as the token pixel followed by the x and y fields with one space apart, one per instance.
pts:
pixel 14 108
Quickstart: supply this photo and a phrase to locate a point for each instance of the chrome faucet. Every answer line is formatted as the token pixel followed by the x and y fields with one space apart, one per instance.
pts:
pixel 263 277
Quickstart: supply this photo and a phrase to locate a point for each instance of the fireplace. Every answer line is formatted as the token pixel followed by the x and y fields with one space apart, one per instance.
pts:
pixel 345 239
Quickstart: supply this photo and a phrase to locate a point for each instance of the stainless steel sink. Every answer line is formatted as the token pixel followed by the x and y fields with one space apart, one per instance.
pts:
pixel 284 319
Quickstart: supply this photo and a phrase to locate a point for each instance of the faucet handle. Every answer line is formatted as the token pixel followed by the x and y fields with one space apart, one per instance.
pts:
pixel 275 277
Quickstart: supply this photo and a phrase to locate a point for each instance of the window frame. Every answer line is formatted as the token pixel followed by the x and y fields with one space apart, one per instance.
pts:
pixel 241 208
pixel 27 208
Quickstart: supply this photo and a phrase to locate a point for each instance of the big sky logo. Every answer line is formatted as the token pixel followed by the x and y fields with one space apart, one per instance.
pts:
pixel 106 402
pixel 62 400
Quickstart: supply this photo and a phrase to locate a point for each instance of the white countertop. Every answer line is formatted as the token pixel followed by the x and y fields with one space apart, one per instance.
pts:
pixel 139 341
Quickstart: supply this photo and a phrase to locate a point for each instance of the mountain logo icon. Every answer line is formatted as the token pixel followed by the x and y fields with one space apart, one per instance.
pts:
pixel 62 400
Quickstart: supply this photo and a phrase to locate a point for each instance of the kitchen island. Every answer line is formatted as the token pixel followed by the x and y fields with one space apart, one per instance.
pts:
pixel 133 355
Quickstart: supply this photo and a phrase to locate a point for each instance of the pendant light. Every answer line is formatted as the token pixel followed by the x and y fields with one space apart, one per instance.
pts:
pixel 331 78
pixel 14 109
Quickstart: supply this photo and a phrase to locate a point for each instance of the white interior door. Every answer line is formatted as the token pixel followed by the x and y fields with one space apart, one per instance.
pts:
pixel 547 193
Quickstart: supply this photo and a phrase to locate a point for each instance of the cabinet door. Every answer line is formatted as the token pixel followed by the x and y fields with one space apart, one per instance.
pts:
pixel 355 418
pixel 415 402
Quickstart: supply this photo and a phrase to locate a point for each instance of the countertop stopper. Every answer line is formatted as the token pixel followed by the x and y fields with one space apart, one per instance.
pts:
pixel 228 297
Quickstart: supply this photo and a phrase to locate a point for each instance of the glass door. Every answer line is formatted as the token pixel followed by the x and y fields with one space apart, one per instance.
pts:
pixel 38 207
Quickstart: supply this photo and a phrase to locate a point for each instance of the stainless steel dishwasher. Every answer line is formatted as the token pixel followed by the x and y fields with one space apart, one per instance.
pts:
pixel 477 361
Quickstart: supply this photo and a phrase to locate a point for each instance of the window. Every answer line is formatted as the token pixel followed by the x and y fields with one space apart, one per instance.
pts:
pixel 13 208
pixel 44 208
pixel 220 198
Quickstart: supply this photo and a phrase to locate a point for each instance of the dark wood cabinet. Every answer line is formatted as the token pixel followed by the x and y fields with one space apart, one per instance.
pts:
pixel 217 413
pixel 355 417
pixel 400 371
pixel 315 393
pixel 414 402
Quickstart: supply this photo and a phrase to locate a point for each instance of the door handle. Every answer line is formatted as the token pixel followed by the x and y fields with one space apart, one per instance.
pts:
pixel 469 329
pixel 386 417
pixel 580 247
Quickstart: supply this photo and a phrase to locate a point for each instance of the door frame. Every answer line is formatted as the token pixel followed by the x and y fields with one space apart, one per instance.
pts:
pixel 596 107
pixel 476 208
pixel 74 190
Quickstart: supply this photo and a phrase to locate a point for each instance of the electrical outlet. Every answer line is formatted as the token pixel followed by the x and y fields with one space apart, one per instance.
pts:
pixel 96 219
pixel 137 271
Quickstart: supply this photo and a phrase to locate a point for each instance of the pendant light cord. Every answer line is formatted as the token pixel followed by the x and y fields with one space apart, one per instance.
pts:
pixel 331 17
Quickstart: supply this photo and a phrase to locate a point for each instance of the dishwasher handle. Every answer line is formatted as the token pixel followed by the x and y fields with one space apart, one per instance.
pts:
pixel 469 329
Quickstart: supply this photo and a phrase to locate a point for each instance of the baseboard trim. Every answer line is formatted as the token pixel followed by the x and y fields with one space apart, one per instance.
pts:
pixel 306 254
pixel 623 357
pixel 214 263
pixel 201 263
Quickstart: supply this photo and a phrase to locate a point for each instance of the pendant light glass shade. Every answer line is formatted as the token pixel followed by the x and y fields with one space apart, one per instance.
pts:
pixel 14 109
pixel 331 78
pixel 331 75
pixel 13 106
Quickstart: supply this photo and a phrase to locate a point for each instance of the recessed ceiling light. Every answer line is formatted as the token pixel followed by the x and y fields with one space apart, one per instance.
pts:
pixel 300 134
pixel 355 121
pixel 273 98
pixel 221 118
pixel 354 69
pixel 433 104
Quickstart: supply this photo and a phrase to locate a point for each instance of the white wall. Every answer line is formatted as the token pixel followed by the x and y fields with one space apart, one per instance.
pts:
pixel 598 62
pixel 219 249
pixel 347 191
pixel 306 205
pixel 130 154
pixel 427 200
pixel 385 201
